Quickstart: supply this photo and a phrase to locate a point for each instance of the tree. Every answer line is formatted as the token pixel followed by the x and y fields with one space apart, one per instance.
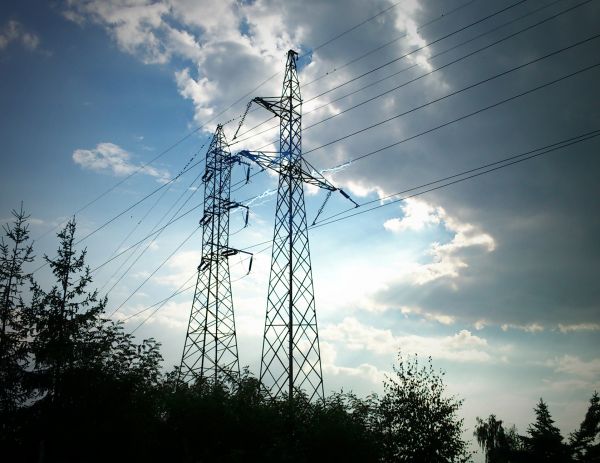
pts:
pixel 545 443
pixel 15 253
pixel 61 319
pixel 490 437
pixel 585 442
pixel 417 422
pixel 498 444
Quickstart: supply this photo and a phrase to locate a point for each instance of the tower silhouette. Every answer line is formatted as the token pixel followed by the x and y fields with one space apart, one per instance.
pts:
pixel 291 358
pixel 210 349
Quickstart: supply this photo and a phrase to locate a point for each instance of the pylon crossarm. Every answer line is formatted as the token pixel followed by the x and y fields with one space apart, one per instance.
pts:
pixel 277 164
pixel 272 104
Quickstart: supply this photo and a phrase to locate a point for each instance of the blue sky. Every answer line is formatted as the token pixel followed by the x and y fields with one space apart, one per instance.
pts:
pixel 494 277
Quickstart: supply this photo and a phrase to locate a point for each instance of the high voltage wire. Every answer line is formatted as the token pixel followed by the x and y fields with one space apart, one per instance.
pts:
pixel 475 172
pixel 138 223
pixel 545 150
pixel 419 28
pixel 494 105
pixel 360 157
pixel 353 60
pixel 347 31
pixel 329 222
pixel 492 166
pixel 159 233
pixel 414 79
pixel 177 292
pixel 461 29
pixel 120 214
pixel 173 220
pixel 87 236
pixel 204 124
pixel 197 129
pixel 120 182
pixel 454 47
pixel 155 270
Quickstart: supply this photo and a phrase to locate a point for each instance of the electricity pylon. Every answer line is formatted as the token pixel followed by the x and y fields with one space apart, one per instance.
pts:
pixel 210 351
pixel 291 358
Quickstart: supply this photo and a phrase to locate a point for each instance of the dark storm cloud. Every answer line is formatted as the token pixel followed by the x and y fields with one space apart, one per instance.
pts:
pixel 542 213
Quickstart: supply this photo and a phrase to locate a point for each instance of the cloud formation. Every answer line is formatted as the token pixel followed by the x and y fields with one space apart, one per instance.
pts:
pixel 111 158
pixel 14 32
pixel 353 335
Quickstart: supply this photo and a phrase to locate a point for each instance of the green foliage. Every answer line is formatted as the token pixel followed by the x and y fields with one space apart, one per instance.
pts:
pixel 418 423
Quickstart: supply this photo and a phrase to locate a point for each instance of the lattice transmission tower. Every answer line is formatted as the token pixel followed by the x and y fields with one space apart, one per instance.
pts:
pixel 210 350
pixel 291 358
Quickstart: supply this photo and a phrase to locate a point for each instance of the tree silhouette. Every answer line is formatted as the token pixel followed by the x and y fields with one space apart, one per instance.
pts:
pixel 585 442
pixel 545 443
pixel 60 319
pixel 490 437
pixel 499 445
pixel 15 253
pixel 418 423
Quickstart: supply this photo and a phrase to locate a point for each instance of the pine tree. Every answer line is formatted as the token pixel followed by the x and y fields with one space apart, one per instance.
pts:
pixel 585 442
pixel 63 318
pixel 15 253
pixel 545 443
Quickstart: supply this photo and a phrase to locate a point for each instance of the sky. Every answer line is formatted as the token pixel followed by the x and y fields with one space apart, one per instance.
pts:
pixel 493 276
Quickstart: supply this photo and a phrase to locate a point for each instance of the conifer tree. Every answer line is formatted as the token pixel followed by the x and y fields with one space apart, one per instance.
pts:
pixel 585 442
pixel 15 252
pixel 63 317
pixel 545 443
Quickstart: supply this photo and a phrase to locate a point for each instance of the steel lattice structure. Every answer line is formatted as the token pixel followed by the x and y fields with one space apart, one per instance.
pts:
pixel 291 359
pixel 210 349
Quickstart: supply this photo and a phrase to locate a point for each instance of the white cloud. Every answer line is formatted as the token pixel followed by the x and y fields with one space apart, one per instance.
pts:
pixel 181 266
pixel 529 328
pixel 438 317
pixel 417 215
pixel 447 261
pixel 569 328
pixel 108 157
pixel 13 31
pixel 575 366
pixel 354 335
pixel 134 24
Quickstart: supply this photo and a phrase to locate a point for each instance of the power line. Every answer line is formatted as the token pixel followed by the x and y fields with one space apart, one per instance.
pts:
pixel 596 133
pixel 494 29
pixel 188 135
pixel 494 105
pixel 418 77
pixel 356 26
pixel 469 87
pixel 155 270
pixel 364 55
pixel 138 223
pixel 120 182
pixel 380 47
pixel 506 162
pixel 485 18
pixel 162 303
pixel 496 165
pixel 159 233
